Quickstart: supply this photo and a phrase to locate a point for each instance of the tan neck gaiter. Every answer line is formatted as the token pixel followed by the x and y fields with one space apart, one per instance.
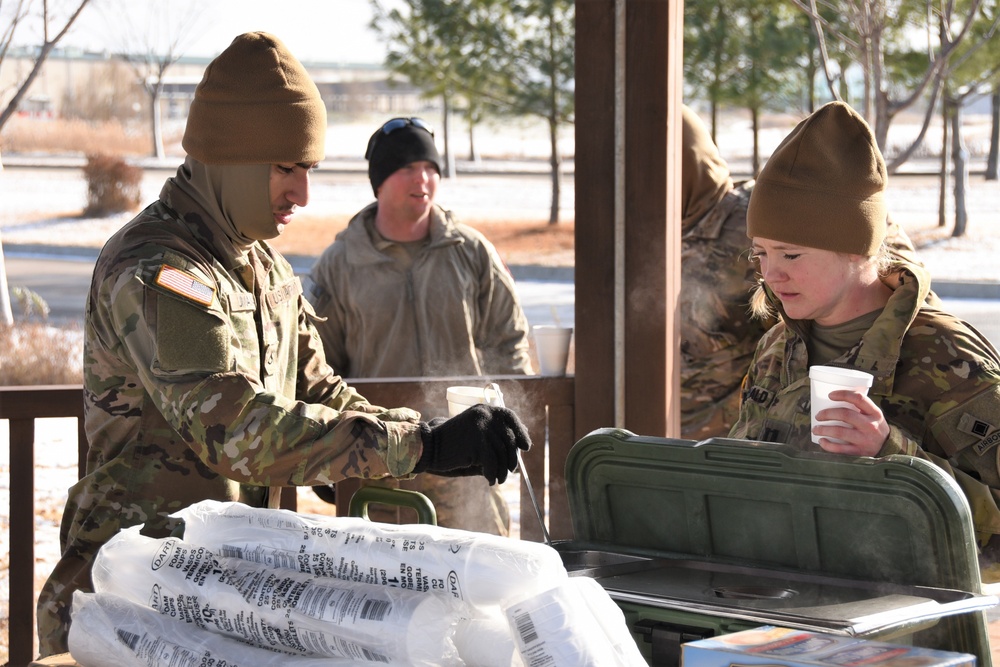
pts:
pixel 236 196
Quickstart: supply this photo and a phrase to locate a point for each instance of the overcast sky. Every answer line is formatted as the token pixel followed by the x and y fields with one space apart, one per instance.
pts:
pixel 323 30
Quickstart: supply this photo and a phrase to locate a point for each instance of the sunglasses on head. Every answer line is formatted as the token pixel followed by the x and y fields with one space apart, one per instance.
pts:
pixel 394 124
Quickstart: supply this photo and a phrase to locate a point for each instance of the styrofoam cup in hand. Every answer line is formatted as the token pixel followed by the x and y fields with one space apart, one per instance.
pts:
pixel 823 380
pixel 462 398
pixel 552 348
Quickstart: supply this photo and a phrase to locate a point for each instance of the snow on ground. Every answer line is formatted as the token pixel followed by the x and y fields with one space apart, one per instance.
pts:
pixel 41 208
pixel 913 201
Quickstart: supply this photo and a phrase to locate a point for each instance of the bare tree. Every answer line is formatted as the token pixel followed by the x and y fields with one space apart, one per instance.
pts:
pixel 51 33
pixel 968 75
pixel 873 23
pixel 993 160
pixel 153 47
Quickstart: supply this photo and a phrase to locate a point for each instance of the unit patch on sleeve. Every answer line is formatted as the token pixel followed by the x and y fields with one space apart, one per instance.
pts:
pixel 185 284
pixel 979 428
pixel 974 426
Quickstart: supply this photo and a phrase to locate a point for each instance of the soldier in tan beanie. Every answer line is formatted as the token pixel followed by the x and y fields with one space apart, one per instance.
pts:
pixel 817 221
pixel 718 333
pixel 204 376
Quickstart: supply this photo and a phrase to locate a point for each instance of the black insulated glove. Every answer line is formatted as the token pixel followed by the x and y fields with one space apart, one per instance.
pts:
pixel 482 440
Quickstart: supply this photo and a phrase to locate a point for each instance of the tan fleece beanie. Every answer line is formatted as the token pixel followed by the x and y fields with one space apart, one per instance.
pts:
pixel 823 187
pixel 705 178
pixel 256 105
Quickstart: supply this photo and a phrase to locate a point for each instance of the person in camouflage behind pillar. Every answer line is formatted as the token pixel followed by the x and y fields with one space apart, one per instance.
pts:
pixel 718 335
pixel 718 332
pixel 204 376
pixel 817 220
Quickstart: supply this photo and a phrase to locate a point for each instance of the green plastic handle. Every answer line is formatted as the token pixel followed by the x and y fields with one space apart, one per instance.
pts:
pixel 415 500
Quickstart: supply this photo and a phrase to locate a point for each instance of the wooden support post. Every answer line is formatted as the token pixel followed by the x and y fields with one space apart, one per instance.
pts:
pixel 628 92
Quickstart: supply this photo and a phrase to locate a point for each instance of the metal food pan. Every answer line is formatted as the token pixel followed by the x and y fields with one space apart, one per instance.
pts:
pixel 792 599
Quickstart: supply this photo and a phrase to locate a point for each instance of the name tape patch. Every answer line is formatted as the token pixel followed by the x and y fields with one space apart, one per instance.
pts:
pixel 185 284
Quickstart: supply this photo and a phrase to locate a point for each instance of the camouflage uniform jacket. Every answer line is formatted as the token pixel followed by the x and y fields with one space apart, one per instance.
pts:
pixel 206 367
pixel 455 310
pixel 204 378
pixel 718 335
pixel 937 381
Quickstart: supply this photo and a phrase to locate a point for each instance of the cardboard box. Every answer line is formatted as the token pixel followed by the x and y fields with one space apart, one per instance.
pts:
pixel 61 660
pixel 769 645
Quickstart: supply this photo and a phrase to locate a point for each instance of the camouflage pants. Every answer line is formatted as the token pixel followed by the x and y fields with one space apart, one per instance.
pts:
pixel 703 419
pixel 54 602
pixel 89 520
pixel 79 542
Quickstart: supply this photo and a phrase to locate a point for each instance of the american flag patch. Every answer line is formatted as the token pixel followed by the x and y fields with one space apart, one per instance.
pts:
pixel 185 284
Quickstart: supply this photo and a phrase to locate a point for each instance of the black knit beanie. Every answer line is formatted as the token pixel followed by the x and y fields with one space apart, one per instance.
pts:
pixel 824 186
pixel 256 105
pixel 388 152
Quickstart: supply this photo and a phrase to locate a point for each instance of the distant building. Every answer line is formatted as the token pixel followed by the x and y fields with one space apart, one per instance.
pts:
pixel 72 75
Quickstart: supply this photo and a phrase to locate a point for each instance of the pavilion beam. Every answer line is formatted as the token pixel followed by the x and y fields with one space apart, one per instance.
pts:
pixel 628 96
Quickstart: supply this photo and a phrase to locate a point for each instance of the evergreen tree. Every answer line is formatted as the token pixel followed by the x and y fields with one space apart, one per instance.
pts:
pixel 500 57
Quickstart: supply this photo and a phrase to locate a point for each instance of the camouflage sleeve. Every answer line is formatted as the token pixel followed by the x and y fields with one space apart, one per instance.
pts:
pixel 188 360
pixel 962 439
pixel 317 382
pixel 330 318
pixel 502 334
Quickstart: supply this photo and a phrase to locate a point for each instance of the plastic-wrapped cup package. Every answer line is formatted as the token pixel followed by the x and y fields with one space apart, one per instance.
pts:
pixel 486 641
pixel 575 624
pixel 823 380
pixel 278 608
pixel 109 631
pixel 476 568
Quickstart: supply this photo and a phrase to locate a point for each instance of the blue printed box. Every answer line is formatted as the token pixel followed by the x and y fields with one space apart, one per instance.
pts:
pixel 783 647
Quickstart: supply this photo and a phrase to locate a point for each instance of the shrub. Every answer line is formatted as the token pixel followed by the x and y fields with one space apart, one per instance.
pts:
pixel 73 136
pixel 113 185
pixel 33 353
pixel 31 304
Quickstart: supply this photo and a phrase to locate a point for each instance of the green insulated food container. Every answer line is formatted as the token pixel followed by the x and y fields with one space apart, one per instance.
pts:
pixel 695 539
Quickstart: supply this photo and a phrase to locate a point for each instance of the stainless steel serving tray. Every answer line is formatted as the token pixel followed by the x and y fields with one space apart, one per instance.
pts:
pixel 790 599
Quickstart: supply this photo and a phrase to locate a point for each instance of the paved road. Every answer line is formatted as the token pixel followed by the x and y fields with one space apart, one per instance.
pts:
pixel 547 295
pixel 63 282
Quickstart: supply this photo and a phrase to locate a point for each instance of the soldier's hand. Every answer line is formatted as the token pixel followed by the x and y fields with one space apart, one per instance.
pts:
pixel 482 440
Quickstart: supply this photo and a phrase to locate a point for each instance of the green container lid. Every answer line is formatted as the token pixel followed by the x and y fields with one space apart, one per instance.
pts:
pixel 895 519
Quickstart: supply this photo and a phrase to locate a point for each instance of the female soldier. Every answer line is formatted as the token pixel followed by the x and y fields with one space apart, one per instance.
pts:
pixel 817 221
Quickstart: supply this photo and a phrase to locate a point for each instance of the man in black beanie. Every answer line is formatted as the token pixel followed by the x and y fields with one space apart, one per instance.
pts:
pixel 407 291
pixel 203 375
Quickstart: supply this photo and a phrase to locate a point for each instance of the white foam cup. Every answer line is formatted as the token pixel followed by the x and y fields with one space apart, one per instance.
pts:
pixel 462 398
pixel 823 380
pixel 552 348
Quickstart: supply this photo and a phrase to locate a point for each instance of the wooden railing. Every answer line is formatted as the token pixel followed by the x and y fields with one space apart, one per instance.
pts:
pixel 21 406
pixel 544 404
